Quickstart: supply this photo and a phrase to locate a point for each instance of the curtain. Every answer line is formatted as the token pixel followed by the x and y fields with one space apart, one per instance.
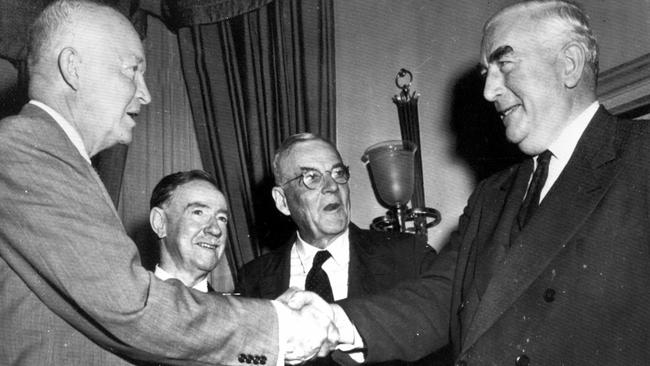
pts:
pixel 252 81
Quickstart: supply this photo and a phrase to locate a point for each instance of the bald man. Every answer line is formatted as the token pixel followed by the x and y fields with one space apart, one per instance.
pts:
pixel 72 290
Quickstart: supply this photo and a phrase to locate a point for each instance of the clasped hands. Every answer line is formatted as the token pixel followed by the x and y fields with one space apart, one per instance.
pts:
pixel 312 331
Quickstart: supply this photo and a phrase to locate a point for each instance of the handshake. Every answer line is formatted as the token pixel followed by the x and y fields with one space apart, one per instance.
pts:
pixel 313 328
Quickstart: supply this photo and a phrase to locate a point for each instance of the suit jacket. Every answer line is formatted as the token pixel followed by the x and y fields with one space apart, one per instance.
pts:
pixel 378 261
pixel 72 290
pixel 573 287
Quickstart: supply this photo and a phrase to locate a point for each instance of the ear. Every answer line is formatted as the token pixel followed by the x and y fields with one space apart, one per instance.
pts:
pixel 158 221
pixel 280 200
pixel 69 64
pixel 574 56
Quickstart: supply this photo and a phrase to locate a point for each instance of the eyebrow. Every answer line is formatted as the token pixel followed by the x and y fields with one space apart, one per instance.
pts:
pixel 309 169
pixel 202 205
pixel 499 53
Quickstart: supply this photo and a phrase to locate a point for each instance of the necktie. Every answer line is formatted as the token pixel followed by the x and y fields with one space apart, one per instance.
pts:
pixel 317 280
pixel 531 202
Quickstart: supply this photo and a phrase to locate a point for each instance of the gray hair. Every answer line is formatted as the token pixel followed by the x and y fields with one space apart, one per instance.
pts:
pixel 286 147
pixel 568 15
pixel 54 22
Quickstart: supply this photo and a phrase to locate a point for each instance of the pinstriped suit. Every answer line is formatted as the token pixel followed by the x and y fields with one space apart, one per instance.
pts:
pixel 72 290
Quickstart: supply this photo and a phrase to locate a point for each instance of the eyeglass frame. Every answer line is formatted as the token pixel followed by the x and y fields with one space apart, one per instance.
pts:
pixel 302 175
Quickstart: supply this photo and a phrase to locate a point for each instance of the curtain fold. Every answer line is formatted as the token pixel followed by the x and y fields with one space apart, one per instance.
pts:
pixel 252 81
pixel 185 13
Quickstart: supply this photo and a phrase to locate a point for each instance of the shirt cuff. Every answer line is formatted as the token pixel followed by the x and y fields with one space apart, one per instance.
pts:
pixel 283 315
pixel 349 337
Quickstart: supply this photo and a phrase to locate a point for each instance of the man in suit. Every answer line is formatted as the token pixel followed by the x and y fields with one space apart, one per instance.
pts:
pixel 551 261
pixel 72 290
pixel 312 188
pixel 189 215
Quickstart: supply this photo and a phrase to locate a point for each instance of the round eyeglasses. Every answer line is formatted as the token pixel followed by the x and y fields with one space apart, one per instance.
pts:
pixel 312 178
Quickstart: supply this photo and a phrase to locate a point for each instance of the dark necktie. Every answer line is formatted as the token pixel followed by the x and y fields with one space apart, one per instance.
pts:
pixel 531 202
pixel 317 280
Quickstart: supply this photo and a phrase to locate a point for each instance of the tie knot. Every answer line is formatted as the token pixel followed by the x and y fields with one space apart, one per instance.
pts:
pixel 544 158
pixel 320 258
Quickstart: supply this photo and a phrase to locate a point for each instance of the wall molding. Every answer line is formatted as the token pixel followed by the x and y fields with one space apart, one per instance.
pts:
pixel 625 89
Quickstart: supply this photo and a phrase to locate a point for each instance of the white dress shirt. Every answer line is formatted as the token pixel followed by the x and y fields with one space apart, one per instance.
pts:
pixel 336 267
pixel 562 148
pixel 164 275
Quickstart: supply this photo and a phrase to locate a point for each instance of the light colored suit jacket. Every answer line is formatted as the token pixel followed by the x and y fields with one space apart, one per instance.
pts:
pixel 574 286
pixel 72 290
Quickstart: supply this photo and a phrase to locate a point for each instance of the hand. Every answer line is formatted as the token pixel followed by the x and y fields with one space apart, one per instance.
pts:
pixel 311 331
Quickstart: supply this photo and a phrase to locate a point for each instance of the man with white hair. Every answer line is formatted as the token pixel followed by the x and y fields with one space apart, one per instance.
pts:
pixel 72 290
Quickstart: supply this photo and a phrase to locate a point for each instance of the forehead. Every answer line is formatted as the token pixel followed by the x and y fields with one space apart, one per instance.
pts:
pixel 311 154
pixel 105 30
pixel 507 31
pixel 198 192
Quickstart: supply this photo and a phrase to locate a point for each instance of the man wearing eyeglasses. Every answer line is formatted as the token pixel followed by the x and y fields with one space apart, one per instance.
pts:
pixel 328 254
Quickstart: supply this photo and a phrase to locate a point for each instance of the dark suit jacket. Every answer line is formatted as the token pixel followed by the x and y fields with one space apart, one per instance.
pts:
pixel 378 261
pixel 72 290
pixel 574 287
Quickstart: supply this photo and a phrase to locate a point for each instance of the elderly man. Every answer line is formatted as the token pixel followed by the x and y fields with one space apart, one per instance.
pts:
pixel 189 215
pixel 551 261
pixel 328 254
pixel 71 286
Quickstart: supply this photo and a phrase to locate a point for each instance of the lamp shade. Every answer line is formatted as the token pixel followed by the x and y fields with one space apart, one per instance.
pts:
pixel 391 166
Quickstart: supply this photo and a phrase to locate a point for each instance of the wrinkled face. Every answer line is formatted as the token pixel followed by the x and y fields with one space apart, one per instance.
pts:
pixel 321 214
pixel 195 226
pixel 523 78
pixel 112 87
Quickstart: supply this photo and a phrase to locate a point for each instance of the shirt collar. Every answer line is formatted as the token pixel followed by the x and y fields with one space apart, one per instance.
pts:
pixel 339 249
pixel 69 130
pixel 562 148
pixel 164 275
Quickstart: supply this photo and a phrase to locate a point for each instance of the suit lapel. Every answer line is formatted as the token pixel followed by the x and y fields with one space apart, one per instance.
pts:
pixel 358 271
pixel 576 193
pixel 275 278
pixel 496 226
pixel 67 150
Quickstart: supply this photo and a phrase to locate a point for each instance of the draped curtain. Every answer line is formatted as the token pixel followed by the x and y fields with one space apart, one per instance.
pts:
pixel 253 80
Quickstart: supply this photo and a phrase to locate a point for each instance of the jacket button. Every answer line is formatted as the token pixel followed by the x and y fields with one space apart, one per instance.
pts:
pixel 549 295
pixel 522 360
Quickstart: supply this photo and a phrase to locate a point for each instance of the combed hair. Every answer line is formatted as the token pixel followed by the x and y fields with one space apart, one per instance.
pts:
pixel 286 147
pixel 570 15
pixel 164 190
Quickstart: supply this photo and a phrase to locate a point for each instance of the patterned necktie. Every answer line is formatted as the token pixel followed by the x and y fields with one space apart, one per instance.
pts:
pixel 531 202
pixel 317 280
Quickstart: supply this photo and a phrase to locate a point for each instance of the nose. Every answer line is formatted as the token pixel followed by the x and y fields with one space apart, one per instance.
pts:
pixel 493 85
pixel 213 228
pixel 328 184
pixel 142 92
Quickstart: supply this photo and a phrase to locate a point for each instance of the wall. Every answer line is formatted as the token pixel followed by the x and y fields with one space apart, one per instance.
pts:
pixel 438 41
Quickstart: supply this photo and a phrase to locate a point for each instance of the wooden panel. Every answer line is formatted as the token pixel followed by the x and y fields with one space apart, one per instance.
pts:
pixel 625 89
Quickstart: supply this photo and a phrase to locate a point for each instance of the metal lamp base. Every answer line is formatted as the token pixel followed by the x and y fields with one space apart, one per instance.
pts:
pixel 416 220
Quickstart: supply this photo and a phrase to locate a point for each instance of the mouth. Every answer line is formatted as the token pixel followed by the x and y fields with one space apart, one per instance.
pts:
pixel 208 245
pixel 504 113
pixel 332 207
pixel 132 114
